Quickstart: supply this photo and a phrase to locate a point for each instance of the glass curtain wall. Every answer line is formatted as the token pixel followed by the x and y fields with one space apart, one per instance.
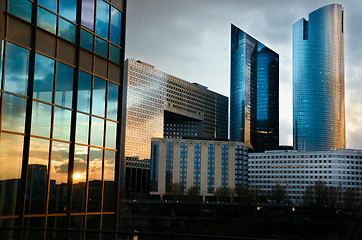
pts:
pixel 60 114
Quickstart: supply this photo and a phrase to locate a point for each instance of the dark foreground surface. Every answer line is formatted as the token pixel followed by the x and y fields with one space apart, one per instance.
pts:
pixel 172 220
pixel 231 219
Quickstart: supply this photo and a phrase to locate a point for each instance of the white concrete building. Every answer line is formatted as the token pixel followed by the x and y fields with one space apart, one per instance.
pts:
pixel 297 170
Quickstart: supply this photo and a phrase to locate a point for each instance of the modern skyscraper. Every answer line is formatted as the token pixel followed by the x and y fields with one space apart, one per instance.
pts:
pixel 161 105
pixel 318 81
pixel 61 101
pixel 254 92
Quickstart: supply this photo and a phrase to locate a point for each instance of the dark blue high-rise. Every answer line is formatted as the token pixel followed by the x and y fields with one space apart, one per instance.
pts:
pixel 254 92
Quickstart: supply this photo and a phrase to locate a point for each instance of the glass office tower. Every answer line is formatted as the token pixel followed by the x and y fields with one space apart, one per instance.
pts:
pixel 318 81
pixel 254 92
pixel 161 105
pixel 61 93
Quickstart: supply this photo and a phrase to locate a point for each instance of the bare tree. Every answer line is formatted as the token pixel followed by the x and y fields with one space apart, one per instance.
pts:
pixel 175 190
pixel 224 194
pixel 349 198
pixel 279 194
pixel 193 194
pixel 245 196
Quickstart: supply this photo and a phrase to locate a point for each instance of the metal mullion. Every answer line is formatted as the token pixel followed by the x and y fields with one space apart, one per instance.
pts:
pixel 48 182
pixel 29 106
pixel 51 144
pixel 3 83
pixel 86 192
pixel 102 193
pixel 120 165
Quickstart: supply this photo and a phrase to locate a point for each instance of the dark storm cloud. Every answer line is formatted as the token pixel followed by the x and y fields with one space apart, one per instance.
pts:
pixel 191 40
pixel 61 168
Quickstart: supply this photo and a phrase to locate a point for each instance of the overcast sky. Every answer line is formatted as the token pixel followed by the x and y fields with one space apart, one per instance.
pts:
pixel 190 39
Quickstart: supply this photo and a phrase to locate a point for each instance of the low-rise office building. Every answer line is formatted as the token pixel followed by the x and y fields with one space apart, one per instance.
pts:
pixel 205 164
pixel 297 170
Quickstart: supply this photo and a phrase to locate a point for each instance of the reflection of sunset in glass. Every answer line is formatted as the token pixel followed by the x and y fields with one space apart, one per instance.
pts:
pixel 76 176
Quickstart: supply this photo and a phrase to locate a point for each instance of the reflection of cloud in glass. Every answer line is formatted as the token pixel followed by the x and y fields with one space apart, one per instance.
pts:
pixel 11 155
pixel 47 20
pixel 39 151
pixel 17 69
pixel 43 78
pixel 61 168
pixel 59 163
pixel 80 163
pixel 14 113
pixel 112 104
pixel 116 21
pixel 66 30
pixel 88 14
pixel 97 131
pixel 68 9
pixel 95 164
pixel 109 165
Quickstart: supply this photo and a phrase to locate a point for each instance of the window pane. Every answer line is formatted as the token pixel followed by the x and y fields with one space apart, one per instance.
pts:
pixel 99 97
pixel 88 14
pixel 79 178
pixel 56 222
pixel 84 91
pixel 97 132
pixel 62 121
pixel 115 54
pixel 86 40
pixel 17 69
pixel 111 135
pixel 43 78
pixel 68 9
pixel 95 179
pixel 41 119
pixel 102 19
pixel 37 176
pixel 93 223
pixel 81 135
pixel 58 177
pixel 112 104
pixel 64 85
pixel 21 8
pixel 101 47
pixel 66 30
pixel 116 21
pixel 47 20
pixel 50 4
pixel 109 184
pixel 11 156
pixel 14 113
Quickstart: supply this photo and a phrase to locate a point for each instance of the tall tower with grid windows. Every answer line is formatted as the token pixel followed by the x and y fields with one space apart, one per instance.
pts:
pixel 318 81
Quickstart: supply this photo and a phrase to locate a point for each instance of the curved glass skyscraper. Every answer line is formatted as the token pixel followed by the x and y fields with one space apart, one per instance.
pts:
pixel 254 92
pixel 318 80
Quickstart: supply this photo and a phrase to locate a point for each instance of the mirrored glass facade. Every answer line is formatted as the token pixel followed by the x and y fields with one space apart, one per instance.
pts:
pixel 61 103
pixel 161 105
pixel 318 80
pixel 254 92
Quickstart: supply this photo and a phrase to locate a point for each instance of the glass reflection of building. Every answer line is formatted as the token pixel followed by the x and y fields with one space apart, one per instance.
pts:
pixel 61 72
pixel 254 92
pixel 161 105
pixel 318 81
